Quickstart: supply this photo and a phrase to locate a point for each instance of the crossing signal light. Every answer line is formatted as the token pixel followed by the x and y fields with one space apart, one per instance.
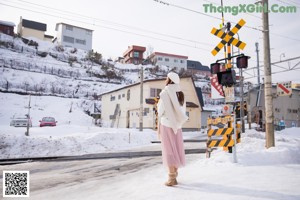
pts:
pixel 215 68
pixel 242 61
pixel 227 78
pixel 238 109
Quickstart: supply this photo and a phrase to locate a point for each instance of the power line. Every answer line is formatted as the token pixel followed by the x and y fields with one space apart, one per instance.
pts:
pixel 288 3
pixel 115 29
pixel 169 4
pixel 297 3
pixel 118 24
pixel 245 13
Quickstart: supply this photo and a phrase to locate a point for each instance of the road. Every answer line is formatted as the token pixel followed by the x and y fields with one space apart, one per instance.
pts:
pixel 52 175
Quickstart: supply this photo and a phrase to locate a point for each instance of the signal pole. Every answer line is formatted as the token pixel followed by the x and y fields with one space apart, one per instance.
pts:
pixel 257 56
pixel 141 98
pixel 270 138
pixel 28 117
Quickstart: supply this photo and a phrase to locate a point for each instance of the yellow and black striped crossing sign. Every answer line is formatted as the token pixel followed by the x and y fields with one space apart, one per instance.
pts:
pixel 219 132
pixel 228 37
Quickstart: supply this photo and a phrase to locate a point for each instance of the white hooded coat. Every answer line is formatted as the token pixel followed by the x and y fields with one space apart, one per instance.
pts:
pixel 170 112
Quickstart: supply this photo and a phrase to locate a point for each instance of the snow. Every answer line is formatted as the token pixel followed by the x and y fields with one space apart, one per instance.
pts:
pixel 7 23
pixel 260 173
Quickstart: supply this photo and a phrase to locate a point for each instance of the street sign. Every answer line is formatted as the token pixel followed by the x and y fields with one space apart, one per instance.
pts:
pixel 284 89
pixel 216 88
pixel 227 109
pixel 228 37
pixel 229 94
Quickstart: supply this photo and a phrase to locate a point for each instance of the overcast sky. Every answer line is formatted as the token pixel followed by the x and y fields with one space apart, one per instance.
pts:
pixel 182 27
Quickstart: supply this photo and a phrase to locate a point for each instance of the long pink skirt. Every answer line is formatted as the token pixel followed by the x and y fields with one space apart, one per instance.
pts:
pixel 172 147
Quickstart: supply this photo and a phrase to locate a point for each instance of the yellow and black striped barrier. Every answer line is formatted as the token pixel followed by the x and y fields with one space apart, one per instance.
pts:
pixel 220 143
pixel 222 120
pixel 220 132
pixel 214 135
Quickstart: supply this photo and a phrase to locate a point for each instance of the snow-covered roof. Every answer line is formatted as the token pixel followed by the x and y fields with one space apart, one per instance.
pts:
pixel 6 23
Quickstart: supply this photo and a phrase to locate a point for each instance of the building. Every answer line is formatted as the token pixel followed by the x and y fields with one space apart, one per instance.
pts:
pixel 27 28
pixel 121 107
pixel 195 67
pixel 172 61
pixel 134 55
pixel 285 108
pixel 74 36
pixel 7 28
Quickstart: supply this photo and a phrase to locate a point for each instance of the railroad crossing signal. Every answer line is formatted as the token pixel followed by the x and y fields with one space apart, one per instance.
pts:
pixel 228 37
pixel 238 109
pixel 284 89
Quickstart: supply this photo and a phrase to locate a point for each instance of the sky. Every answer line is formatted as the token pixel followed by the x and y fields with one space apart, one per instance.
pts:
pixel 259 173
pixel 181 27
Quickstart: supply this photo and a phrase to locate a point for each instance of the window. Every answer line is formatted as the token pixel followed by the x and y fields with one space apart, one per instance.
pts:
pixel 167 59
pixel 159 58
pixel 295 111
pixel 123 95
pixel 80 41
pixel 154 92
pixel 128 95
pixel 68 39
pixel 68 27
pixel 119 96
pixel 181 61
pixel 112 98
pixel 136 54
pixel 175 60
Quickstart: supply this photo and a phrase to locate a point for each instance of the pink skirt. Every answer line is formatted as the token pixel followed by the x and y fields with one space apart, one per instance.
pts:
pixel 172 147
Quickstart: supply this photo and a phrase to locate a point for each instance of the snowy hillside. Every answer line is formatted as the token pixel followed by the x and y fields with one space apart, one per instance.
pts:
pixel 43 68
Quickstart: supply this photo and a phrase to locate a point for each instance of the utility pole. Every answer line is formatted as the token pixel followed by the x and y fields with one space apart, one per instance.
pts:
pixel 28 117
pixel 270 138
pixel 141 98
pixel 257 57
pixel 241 94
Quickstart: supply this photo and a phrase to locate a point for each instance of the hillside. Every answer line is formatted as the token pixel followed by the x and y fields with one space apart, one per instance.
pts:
pixel 43 68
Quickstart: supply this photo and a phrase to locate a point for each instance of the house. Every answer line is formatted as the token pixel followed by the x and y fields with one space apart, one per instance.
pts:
pixel 134 55
pixel 172 61
pixel 7 28
pixel 285 108
pixel 121 107
pixel 74 36
pixel 27 28
pixel 195 67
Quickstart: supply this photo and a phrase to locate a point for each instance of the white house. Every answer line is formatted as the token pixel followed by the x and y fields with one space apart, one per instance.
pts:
pixel 74 36
pixel 121 107
pixel 172 61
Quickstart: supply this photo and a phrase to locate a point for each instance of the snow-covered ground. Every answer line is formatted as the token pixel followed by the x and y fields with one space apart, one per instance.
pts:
pixel 75 133
pixel 260 173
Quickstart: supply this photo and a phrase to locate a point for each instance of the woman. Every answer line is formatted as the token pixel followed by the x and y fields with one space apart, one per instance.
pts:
pixel 171 115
